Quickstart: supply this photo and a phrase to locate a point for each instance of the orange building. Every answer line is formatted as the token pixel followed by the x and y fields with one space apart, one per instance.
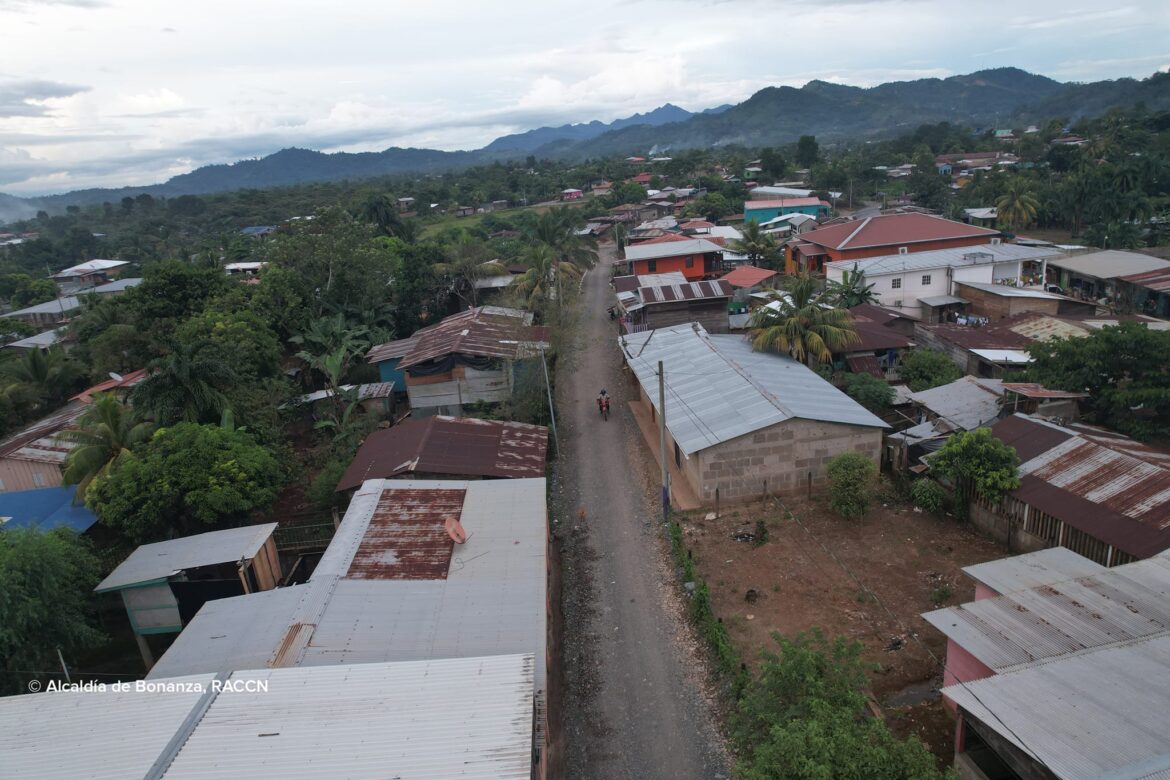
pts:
pixel 885 234
pixel 694 258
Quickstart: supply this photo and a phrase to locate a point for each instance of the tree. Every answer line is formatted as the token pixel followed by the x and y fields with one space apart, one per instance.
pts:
pixel 333 346
pixel 1016 208
pixel 796 324
pixel 851 477
pixel 773 163
pixel 1114 235
pixel 188 478
pixel 467 262
pixel 171 292
pixel 808 151
pixel 558 230
pixel 546 280
pixel 758 246
pixel 869 391
pixel 45 583
pixel 977 463
pixel 924 369
pixel 416 288
pixel 851 290
pixel 380 210
pixel 1122 369
pixel 49 375
pixel 104 435
pixel 187 385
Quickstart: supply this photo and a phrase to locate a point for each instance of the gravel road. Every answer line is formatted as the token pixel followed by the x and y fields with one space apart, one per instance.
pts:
pixel 636 704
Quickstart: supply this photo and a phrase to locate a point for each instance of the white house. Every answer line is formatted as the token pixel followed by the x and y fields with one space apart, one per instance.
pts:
pixel 920 282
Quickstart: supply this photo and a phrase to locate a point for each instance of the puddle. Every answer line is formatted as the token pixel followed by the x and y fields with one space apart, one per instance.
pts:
pixel 915 693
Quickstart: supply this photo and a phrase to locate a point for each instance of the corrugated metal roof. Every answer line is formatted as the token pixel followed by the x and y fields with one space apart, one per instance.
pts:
pixel 39 341
pixel 407 538
pixel 966 403
pixel 955 257
pixel 390 350
pixel 1011 357
pixel 450 446
pixel 465 718
pixel 162 559
pixel 62 306
pixel 748 276
pixel 1159 280
pixel 892 230
pixel 1034 390
pixel 492 600
pixel 118 285
pixel 653 251
pixel 1111 264
pixel 1096 715
pixel 1030 570
pixel 45 509
pixel 1008 291
pixel 692 291
pixel 719 389
pixel 1017 629
pixel 89 267
pixel 486 331
pixel 39 441
pixel 95 735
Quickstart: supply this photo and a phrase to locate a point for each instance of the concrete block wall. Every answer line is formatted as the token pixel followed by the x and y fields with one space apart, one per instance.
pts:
pixel 780 458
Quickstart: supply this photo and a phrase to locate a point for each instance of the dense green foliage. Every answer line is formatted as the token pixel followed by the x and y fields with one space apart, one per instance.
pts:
pixel 803 717
pixel 874 394
pixel 978 464
pixel 928 495
pixel 924 369
pixel 104 435
pixel 1123 369
pixel 851 480
pixel 188 478
pixel 45 582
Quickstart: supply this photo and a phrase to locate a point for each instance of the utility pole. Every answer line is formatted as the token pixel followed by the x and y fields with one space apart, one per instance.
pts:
pixel 552 412
pixel 662 441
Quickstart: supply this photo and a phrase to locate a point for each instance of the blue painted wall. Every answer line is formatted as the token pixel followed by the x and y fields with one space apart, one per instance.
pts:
pixel 763 215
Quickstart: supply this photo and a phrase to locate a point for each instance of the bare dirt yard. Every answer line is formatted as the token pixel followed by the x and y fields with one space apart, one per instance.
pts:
pixel 818 570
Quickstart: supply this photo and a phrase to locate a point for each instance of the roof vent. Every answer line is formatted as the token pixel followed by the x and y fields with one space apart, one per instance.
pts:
pixel 996 241
pixel 903 250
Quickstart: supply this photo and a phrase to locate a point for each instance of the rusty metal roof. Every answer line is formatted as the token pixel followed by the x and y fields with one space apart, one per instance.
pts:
pixel 390 350
pixel 1033 390
pixel 407 538
pixel 450 446
pixel 693 291
pixel 485 331
pixel 1104 484
pixel 41 441
pixel 1158 281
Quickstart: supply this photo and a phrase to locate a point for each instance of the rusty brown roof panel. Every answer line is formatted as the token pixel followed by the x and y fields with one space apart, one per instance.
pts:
pixel 407 537
pixel 485 331
pixel 1033 390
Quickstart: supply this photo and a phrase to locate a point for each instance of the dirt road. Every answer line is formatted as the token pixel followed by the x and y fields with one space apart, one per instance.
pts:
pixel 635 705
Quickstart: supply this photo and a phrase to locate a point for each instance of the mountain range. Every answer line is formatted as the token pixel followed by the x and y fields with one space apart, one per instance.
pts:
pixel 774 115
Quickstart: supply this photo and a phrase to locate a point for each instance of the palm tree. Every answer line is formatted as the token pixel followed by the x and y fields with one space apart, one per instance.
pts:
pixel 1017 208
pixel 333 346
pixel 851 290
pixel 467 262
pixel 106 433
pixel 756 244
pixel 546 277
pixel 186 385
pixel 48 375
pixel 557 229
pixel 379 210
pixel 797 324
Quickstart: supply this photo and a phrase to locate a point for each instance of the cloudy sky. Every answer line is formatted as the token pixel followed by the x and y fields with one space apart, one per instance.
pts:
pixel 123 92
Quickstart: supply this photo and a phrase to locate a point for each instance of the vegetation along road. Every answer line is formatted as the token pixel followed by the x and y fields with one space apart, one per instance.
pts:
pixel 635 705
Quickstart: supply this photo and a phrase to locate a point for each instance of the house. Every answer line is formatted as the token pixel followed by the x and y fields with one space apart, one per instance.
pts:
pixel 464 211
pixel 789 224
pixel 695 258
pixel 164 584
pixel 748 279
pixel 49 313
pixel 443 447
pixel 259 231
pixel 244 270
pixel 456 717
pixel 405 204
pixel 1096 492
pixel 742 424
pixel 984 217
pixel 417 571
pixel 661 305
pixel 118 286
pixel 923 283
pixel 1000 301
pixel 963 405
pixel 88 274
pixel 642 178
pixel 1097 276
pixel 885 234
pixel 467 358
pixel 600 188
pixel 629 212
pixel 45 510
pixel 880 345
pixel 33 456
pixel 372 398
pixel 1148 292
pixel 572 194
pixel 1061 675
pixel 785 191
pixel 41 341
pixel 763 210
pixel 1029 570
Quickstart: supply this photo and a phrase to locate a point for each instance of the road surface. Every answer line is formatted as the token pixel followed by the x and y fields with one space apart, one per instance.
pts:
pixel 635 701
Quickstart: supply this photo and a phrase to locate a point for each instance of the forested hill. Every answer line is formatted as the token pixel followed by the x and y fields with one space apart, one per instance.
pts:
pixel 1004 97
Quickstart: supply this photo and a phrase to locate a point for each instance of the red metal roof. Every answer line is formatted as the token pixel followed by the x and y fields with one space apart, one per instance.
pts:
pixel 450 446
pixel 865 364
pixel 666 238
pixel 747 276
pixel 1157 280
pixel 127 380
pixel 696 224
pixel 484 332
pixel 390 350
pixel 686 292
pixel 407 537
pixel 892 230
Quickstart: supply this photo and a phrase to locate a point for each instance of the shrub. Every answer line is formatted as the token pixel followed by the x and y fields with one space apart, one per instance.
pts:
pixel 322 490
pixel 978 463
pixel 928 495
pixel 851 477
pixel 869 391
pixel 924 369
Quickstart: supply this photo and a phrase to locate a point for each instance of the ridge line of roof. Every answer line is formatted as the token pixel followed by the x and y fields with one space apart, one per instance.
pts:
pixel 749 379
pixel 850 237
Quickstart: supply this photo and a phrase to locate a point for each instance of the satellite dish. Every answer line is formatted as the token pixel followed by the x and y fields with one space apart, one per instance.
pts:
pixel 116 377
pixel 455 530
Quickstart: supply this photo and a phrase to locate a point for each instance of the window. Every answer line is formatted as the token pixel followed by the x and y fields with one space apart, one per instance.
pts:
pixel 690 261
pixel 926 280
pixel 895 284
pixel 38 479
pixel 651 266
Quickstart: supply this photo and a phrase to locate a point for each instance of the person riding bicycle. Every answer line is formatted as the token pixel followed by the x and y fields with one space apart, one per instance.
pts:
pixel 602 400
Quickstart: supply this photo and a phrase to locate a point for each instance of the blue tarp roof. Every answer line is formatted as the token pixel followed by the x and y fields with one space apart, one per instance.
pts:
pixel 46 509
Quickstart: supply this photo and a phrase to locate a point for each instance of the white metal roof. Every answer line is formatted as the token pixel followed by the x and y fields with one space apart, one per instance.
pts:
pixel 118 285
pixel 92 266
pixel 692 246
pixel 966 403
pixel 1017 629
pixel 57 306
pixel 96 735
pixel 1006 356
pixel 661 280
pixel 1097 715
pixel 1008 291
pixel 955 257
pixel 1111 264
pixel 162 559
pixel 719 389
pixel 760 193
pixel 1030 570
pixel 39 341
pixel 458 718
